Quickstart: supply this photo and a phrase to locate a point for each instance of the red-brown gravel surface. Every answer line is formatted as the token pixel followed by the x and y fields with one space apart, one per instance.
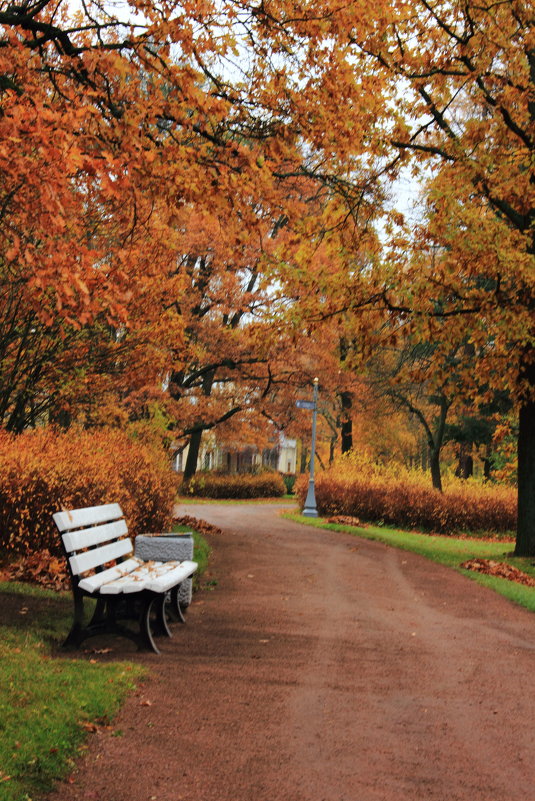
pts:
pixel 322 667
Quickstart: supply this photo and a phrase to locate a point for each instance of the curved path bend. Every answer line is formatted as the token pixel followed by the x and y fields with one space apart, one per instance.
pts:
pixel 322 667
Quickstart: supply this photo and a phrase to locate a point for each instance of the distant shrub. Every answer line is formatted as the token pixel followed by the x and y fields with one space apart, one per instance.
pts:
pixel 44 471
pixel 406 499
pixel 289 482
pixel 236 485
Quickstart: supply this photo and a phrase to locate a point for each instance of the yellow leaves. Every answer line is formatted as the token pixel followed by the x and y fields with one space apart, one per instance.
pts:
pixel 405 498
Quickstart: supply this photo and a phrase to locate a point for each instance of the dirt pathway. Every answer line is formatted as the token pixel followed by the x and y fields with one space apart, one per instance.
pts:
pixel 325 668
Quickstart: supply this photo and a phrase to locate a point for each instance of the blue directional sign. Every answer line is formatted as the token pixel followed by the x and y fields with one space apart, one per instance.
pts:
pixel 303 404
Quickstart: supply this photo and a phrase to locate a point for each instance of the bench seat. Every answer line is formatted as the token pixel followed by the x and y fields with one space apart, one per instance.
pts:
pixel 155 576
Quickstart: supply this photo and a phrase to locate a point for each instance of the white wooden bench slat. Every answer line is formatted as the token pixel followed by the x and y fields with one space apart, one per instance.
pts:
pixel 91 515
pixel 134 581
pixel 100 556
pixel 95 582
pixel 156 576
pixel 87 537
pixel 172 577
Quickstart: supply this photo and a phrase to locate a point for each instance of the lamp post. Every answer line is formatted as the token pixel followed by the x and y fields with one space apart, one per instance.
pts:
pixel 309 509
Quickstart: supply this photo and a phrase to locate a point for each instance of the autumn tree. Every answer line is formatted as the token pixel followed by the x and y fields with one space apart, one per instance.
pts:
pixel 446 90
pixel 105 136
pixel 222 368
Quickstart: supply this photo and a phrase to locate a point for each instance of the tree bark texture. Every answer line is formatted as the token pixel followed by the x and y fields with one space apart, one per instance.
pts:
pixel 194 447
pixel 434 461
pixel 347 423
pixel 525 536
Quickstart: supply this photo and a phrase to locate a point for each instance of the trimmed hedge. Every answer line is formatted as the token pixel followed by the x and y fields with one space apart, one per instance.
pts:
pixel 236 485
pixel 413 504
pixel 44 471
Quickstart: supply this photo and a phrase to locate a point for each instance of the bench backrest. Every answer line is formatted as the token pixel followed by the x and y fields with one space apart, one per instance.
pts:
pixel 93 537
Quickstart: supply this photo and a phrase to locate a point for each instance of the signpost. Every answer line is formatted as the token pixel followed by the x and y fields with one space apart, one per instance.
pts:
pixel 309 509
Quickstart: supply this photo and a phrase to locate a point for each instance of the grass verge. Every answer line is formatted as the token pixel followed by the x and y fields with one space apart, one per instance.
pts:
pixel 47 703
pixel 450 551
pixel 201 551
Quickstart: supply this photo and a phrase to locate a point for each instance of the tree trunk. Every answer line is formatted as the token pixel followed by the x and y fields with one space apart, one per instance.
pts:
pixel 434 461
pixel 196 436
pixel 487 463
pixel 346 399
pixel 347 423
pixel 424 455
pixel 193 454
pixel 525 533
pixel 332 446
pixel 436 442
pixel 465 463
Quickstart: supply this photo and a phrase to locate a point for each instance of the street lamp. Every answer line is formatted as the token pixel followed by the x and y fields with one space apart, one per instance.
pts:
pixel 309 509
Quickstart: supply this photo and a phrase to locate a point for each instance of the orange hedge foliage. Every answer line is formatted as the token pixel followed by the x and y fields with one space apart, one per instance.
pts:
pixel 44 471
pixel 239 486
pixel 406 499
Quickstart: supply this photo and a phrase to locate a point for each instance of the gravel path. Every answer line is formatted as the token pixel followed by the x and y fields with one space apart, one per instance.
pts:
pixel 322 667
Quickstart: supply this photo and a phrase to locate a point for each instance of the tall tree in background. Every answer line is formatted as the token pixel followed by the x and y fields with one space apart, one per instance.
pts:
pixel 447 89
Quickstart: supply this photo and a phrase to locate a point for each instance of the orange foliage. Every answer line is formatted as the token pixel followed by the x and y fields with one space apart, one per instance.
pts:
pixel 211 485
pixel 404 498
pixel 44 471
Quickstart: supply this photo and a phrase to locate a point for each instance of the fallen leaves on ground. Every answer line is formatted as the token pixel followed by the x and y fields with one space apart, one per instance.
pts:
pixel 499 569
pixel 96 726
pixel 346 520
pixel 40 568
pixel 198 525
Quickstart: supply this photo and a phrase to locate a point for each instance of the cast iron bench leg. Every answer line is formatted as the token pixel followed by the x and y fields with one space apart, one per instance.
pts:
pixel 153 621
pixel 175 604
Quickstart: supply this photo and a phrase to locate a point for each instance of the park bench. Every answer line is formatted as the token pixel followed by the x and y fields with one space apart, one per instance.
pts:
pixel 133 596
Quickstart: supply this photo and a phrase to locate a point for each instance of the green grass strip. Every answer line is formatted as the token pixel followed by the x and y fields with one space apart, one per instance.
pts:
pixel 201 551
pixel 46 699
pixel 450 551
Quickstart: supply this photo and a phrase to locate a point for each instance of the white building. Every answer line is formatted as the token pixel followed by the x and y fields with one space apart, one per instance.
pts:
pixel 246 459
